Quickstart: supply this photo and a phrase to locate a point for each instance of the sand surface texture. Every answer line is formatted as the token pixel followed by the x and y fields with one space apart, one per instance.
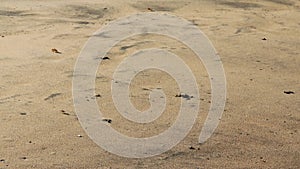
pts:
pixel 258 42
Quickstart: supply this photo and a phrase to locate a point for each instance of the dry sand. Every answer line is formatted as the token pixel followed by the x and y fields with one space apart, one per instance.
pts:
pixel 260 125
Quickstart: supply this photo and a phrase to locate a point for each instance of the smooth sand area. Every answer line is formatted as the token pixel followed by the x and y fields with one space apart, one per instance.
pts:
pixel 258 42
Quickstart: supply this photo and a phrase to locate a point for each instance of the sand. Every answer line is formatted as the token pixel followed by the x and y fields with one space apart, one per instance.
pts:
pixel 258 43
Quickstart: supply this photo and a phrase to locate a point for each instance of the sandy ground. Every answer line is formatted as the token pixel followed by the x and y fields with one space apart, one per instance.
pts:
pixel 260 125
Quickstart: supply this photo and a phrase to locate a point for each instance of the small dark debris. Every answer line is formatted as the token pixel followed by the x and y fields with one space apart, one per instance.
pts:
pixel 65 113
pixel 23 114
pixel 261 158
pixel 145 88
pixel 184 96
pixel 29 142
pixel 83 22
pixel 192 148
pixel 52 96
pixel 105 58
pixel 264 39
pixel 79 136
pixel 150 9
pixel 207 158
pixel 284 121
pixel 105 8
pixel 2 160
pixel 289 92
pixel 23 158
pixel 2 36
pixel 62 111
pixel 107 120
pixel 55 51
pixel 97 95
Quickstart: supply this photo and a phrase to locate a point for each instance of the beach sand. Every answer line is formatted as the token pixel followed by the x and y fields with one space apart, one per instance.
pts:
pixel 258 43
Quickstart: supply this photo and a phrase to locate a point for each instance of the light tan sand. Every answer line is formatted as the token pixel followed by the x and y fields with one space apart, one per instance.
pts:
pixel 260 125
